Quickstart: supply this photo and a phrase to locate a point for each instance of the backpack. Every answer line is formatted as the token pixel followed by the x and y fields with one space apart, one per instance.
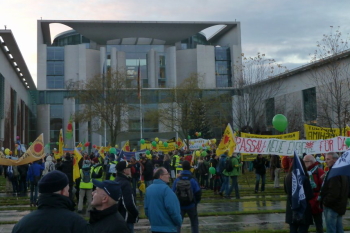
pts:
pixel 228 165
pixel 184 190
pixel 86 176
pixel 15 171
pixel 51 167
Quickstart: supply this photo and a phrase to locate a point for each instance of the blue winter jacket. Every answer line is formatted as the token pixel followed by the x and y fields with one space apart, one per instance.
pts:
pixel 162 207
pixel 221 165
pixel 197 192
pixel 34 170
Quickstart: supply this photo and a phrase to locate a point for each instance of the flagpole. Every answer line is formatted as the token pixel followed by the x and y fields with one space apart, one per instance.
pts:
pixel 139 85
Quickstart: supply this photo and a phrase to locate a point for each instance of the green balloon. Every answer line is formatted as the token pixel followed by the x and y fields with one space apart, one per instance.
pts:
pixel 199 134
pixel 280 122
pixel 204 153
pixel 142 141
pixel 189 137
pixel 165 144
pixel 112 150
pixel 56 143
pixel 347 142
pixel 154 143
pixel 212 170
pixel 148 152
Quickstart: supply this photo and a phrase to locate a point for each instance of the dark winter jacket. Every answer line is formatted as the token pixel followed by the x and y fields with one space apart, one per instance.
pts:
pixel 260 165
pixel 307 219
pixel 34 170
pixel 315 177
pixel 221 165
pixel 54 214
pixel 108 221
pixel 67 168
pixel 126 205
pixel 334 193
pixel 148 170
pixel 166 165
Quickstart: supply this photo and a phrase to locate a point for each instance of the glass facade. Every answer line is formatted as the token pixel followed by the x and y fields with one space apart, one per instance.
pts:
pixel 310 105
pixel 269 111
pixel 55 68
pixel 56 122
pixel 223 67
pixel 2 95
pixel 193 41
pixel 137 54
pixel 70 38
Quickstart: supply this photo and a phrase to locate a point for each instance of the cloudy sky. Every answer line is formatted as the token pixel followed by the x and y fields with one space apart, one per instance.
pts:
pixel 284 30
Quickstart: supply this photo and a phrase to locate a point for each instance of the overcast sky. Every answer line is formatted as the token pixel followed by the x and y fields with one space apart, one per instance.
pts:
pixel 284 30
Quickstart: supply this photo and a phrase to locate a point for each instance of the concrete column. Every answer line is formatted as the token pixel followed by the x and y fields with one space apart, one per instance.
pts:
pixel 121 61
pixel 113 59
pixel 151 68
pixel 236 61
pixel 170 67
pixel 68 111
pixel 42 65
pixel 43 122
pixel 102 59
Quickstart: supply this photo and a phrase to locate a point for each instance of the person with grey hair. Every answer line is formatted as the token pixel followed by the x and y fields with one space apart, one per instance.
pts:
pixel 334 196
pixel 160 200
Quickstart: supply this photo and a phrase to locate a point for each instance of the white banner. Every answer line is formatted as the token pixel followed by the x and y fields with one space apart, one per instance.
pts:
pixel 287 147
pixel 195 144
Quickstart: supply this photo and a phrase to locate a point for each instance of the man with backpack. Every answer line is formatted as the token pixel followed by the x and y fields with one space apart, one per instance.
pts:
pixel 232 166
pixel 189 194
pixel 220 169
pixel 85 186
pixel 97 169
pixel 111 168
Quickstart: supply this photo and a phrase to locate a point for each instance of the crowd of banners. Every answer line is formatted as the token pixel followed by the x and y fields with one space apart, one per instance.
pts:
pixel 287 147
pixel 315 133
pixel 34 152
pixel 199 143
pixel 173 144
pixel 287 136
pixel 227 142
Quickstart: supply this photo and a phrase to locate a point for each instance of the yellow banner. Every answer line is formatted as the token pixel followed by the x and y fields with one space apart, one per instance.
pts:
pixel 316 133
pixel 77 157
pixel 34 153
pixel 126 146
pixel 288 136
pixel 172 145
pixel 227 142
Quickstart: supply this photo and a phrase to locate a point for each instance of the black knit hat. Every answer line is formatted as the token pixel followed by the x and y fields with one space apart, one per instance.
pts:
pixel 186 165
pixel 122 165
pixel 52 182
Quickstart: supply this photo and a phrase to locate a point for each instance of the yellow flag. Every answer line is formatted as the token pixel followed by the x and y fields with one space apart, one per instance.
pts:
pixel 227 142
pixel 77 157
pixel 60 152
pixel 126 146
pixel 34 152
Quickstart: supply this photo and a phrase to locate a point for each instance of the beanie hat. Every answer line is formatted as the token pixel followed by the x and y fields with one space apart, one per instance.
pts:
pixel 52 182
pixel 95 160
pixel 186 165
pixel 122 165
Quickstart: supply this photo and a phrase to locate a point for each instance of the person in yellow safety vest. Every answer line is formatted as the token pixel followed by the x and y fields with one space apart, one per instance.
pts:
pixel 175 164
pixel 96 170
pixel 111 168
pixel 85 186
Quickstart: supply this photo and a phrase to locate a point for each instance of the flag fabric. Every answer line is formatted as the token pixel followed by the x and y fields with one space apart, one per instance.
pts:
pixel 77 157
pixel 126 146
pixel 341 167
pixel 227 142
pixel 299 202
pixel 60 144
pixel 139 81
pixel 34 152
pixel 69 132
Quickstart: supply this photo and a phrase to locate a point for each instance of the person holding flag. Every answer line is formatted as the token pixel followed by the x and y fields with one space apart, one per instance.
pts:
pixel 299 192
pixel 335 189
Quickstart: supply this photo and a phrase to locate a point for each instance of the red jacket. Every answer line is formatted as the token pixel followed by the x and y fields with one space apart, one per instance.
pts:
pixel 315 204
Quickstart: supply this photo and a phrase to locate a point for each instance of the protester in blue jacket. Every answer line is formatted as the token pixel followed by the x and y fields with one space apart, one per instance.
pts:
pixel 34 175
pixel 161 204
pixel 189 204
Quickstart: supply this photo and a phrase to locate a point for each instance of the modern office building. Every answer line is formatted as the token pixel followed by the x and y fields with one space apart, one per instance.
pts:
pixel 168 52
pixel 17 95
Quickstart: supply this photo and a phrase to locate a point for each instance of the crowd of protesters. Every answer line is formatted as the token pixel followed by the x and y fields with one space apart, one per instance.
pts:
pixel 147 175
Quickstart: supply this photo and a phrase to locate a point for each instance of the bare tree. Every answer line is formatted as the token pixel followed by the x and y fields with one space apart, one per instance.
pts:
pixel 252 83
pixel 105 100
pixel 330 75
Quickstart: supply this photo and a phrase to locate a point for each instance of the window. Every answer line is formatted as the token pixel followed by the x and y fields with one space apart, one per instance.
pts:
pixel 223 67
pixel 55 82
pixel 55 68
pixel 55 53
pixel 310 106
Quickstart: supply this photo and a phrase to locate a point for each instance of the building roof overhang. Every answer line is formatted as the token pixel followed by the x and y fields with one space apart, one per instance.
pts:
pixel 15 58
pixel 102 31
